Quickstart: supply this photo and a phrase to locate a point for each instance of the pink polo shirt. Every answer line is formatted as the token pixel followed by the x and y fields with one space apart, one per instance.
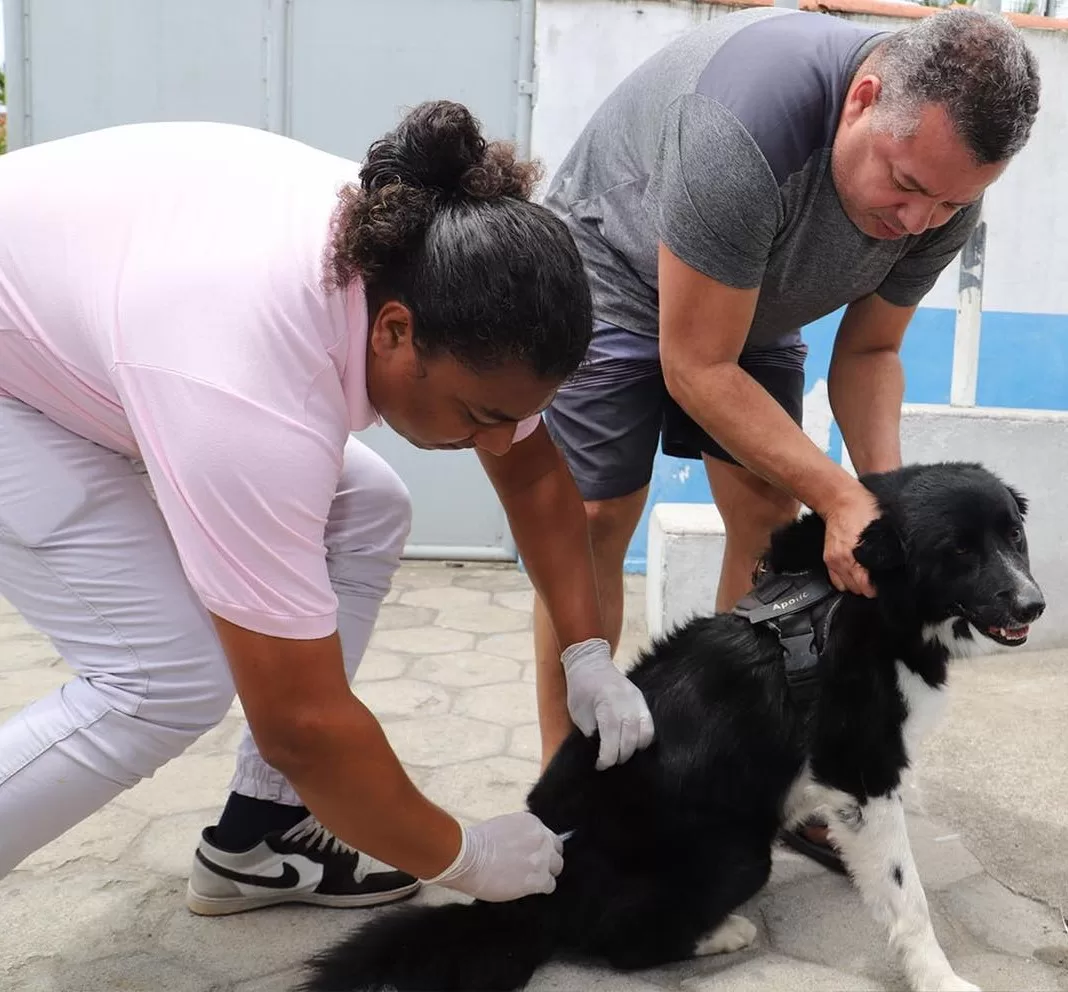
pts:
pixel 160 294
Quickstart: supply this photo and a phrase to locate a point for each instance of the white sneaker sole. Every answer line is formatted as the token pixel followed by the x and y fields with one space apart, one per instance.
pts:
pixel 226 905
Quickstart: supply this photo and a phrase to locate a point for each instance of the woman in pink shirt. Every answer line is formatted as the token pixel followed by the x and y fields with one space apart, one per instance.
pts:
pixel 227 306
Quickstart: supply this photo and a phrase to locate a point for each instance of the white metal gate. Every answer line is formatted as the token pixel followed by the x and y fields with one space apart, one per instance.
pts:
pixel 333 73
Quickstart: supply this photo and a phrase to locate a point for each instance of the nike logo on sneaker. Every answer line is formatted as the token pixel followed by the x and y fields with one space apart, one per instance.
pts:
pixel 289 879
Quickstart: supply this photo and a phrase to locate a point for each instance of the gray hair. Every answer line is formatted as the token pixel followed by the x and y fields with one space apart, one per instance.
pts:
pixel 975 65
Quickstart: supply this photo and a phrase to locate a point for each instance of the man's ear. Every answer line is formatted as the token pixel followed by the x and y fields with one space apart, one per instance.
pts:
pixel 880 548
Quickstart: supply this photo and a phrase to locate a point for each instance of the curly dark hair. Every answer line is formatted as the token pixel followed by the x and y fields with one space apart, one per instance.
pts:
pixel 442 222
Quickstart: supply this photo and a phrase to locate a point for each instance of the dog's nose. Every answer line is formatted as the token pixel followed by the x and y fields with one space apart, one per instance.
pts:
pixel 1028 604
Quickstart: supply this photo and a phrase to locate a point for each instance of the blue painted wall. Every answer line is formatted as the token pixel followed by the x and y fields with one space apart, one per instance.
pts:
pixel 1023 362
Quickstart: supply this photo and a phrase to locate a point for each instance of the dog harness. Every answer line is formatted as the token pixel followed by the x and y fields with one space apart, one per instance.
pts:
pixel 798 608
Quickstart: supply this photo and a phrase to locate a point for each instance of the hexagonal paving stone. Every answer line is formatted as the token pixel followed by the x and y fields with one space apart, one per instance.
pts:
pixel 190 782
pixel 465 668
pixel 1001 919
pixel 104 836
pixel 510 703
pixel 403 698
pixel 377 665
pixel 426 575
pixel 395 616
pixel 283 981
pixel 519 646
pixel 423 640
pixel 508 578
pixel 253 945
pixel 941 857
pixel 445 597
pixel 76 913
pixel 169 843
pixel 25 650
pixel 483 619
pixel 517 599
pixel 13 624
pixel 29 684
pixel 1002 971
pixel 136 970
pixel 481 789
pixel 222 739
pixel 444 740
pixel 526 743
pixel 822 919
pixel 560 977
pixel 773 971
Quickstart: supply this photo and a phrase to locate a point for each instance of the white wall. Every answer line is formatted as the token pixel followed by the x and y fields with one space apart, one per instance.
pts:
pixel 1029 450
pixel 585 47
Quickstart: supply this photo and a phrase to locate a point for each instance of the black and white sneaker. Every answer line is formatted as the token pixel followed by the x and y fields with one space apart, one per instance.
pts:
pixel 305 864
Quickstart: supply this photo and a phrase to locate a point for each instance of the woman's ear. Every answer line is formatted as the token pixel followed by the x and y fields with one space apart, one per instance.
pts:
pixel 881 548
pixel 391 328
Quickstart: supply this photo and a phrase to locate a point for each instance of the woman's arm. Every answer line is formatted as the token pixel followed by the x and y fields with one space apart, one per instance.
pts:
pixel 548 522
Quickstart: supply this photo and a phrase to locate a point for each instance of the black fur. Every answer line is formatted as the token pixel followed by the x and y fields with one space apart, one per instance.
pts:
pixel 666 845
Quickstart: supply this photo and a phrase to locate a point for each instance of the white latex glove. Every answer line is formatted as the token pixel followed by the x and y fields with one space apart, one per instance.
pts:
pixel 600 697
pixel 505 858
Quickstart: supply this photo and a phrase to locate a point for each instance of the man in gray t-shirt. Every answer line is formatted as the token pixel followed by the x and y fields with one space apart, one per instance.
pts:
pixel 756 174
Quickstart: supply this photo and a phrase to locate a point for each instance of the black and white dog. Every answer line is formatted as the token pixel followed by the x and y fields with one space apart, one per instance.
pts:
pixel 665 846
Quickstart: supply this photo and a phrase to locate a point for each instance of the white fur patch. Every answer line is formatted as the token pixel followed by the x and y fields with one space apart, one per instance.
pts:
pixel 734 933
pixel 877 852
pixel 926 706
pixel 958 647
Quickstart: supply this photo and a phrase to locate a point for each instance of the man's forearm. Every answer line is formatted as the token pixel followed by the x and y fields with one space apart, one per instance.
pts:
pixel 866 390
pixel 739 413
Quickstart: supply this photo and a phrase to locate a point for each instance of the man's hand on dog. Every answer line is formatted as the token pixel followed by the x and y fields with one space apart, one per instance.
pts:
pixel 600 697
pixel 845 522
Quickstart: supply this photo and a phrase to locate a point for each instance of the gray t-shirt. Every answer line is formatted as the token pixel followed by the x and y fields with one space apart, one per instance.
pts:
pixel 720 146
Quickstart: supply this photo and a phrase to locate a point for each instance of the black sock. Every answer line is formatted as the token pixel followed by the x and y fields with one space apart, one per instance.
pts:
pixel 245 821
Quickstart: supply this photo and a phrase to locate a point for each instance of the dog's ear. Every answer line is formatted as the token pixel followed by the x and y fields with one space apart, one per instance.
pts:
pixel 1021 500
pixel 881 548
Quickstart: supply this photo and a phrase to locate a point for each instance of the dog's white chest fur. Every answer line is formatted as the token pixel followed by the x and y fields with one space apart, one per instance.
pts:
pixel 925 704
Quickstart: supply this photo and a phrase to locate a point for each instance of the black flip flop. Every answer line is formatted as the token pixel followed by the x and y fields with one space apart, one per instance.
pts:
pixel 821 853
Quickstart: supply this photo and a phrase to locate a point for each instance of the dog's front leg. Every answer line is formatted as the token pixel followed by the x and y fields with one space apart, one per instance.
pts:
pixel 874 845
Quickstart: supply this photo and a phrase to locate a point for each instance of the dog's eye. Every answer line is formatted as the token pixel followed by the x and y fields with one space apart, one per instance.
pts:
pixel 960 548
pixel 1016 535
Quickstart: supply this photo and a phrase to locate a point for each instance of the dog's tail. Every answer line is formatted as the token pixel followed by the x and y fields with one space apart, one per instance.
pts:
pixel 475 947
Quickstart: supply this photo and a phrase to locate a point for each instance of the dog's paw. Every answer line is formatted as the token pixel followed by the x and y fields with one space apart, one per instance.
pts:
pixel 734 933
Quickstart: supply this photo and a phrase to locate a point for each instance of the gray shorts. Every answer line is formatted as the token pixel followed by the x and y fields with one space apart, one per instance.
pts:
pixel 608 418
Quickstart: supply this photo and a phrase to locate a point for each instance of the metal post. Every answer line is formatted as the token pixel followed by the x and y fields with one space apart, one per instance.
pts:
pixel 969 319
pixel 525 86
pixel 16 16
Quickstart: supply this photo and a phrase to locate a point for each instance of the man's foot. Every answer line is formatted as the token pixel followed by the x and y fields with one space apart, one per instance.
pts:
pixel 305 864
pixel 810 839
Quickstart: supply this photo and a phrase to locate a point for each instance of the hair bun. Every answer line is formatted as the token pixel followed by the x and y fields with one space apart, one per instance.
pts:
pixel 439 147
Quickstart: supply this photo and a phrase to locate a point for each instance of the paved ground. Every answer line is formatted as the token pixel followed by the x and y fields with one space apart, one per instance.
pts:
pixel 450 676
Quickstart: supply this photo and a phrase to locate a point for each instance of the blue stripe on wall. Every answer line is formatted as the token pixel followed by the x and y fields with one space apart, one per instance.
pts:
pixel 1023 362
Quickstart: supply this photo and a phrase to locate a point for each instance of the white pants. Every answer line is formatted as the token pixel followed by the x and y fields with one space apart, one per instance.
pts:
pixel 86 558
